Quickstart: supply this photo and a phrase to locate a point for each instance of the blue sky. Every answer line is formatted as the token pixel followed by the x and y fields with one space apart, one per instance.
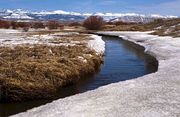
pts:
pixel 164 7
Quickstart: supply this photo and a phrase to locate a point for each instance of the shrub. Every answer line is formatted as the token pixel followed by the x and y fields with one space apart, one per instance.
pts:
pixel 75 24
pixel 38 25
pixel 26 29
pixel 53 24
pixel 120 23
pixel 124 23
pixel 109 23
pixel 159 21
pixel 4 24
pixel 93 23
pixel 22 24
pixel 14 25
pixel 156 23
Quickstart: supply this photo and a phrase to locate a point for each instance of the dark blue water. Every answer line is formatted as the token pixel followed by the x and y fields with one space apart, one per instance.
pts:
pixel 123 61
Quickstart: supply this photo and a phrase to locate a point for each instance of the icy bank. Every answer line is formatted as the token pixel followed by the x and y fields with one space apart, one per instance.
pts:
pixel 97 44
pixel 11 38
pixel 9 31
pixel 153 95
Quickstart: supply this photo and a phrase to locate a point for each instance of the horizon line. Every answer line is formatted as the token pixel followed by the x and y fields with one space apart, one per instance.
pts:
pixel 104 12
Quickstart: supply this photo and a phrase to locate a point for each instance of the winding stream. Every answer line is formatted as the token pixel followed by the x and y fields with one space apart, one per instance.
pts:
pixel 123 61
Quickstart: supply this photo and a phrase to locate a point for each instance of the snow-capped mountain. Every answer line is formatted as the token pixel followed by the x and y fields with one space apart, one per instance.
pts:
pixel 15 14
pixel 132 17
pixel 60 15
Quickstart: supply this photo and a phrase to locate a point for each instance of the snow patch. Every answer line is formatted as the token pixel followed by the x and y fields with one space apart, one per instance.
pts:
pixel 97 44
pixel 82 59
pixel 12 38
pixel 9 31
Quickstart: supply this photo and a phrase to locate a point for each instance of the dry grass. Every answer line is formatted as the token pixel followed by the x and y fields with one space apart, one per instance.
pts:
pixel 128 27
pixel 168 27
pixel 36 72
pixel 43 32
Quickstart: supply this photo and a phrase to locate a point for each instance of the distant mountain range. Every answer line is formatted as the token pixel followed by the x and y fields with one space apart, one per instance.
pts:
pixel 19 14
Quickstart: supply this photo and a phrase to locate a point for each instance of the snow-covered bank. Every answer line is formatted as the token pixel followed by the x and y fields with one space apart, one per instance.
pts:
pixel 153 95
pixel 97 44
pixel 158 46
pixel 9 31
pixel 11 38
pixel 67 55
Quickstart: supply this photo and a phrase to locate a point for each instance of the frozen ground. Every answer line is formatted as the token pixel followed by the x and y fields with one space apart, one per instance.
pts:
pixel 97 44
pixel 153 95
pixel 11 38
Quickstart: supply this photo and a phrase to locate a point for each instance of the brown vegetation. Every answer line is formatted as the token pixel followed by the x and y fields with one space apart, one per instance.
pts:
pixel 125 26
pixel 15 25
pixel 26 25
pixel 162 27
pixel 38 71
pixel 4 24
pixel 75 24
pixel 38 25
pixel 123 23
pixel 93 23
pixel 54 25
pixel 168 28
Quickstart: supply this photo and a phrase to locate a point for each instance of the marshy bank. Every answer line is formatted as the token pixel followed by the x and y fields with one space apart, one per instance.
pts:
pixel 29 73
pixel 123 60
pixel 34 66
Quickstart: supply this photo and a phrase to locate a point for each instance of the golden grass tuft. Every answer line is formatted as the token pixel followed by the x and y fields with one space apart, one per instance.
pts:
pixel 37 72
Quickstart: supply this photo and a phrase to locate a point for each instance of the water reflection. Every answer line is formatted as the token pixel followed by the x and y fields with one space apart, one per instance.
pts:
pixel 150 62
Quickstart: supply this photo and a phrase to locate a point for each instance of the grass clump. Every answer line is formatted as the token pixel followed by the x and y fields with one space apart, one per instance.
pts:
pixel 37 72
